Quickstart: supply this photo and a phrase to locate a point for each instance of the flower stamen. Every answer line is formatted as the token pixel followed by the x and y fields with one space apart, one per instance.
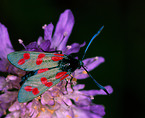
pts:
pixel 51 111
pixel 5 112
pixel 68 116
pixel 11 77
pixel 69 47
pixel 74 79
pixel 84 72
pixel 35 107
pixel 92 97
pixel 21 42
pixel 96 58
pixel 77 98
pixel 65 34
pixel 38 97
pixel 43 109
pixel 44 26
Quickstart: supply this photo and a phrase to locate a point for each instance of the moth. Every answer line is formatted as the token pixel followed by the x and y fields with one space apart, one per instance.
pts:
pixel 48 69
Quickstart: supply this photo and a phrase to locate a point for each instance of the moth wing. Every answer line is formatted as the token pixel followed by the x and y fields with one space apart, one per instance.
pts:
pixel 29 61
pixel 37 84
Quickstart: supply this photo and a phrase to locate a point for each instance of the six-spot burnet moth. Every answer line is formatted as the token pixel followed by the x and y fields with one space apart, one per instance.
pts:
pixel 48 69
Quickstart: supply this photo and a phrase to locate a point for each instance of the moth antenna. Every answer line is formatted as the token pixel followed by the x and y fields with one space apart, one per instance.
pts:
pixel 100 86
pixel 92 40
pixel 21 42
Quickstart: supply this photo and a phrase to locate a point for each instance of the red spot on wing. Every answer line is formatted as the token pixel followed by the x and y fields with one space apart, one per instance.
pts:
pixel 43 80
pixel 28 88
pixel 35 91
pixel 48 84
pixel 42 70
pixel 41 55
pixel 21 61
pixel 56 58
pixel 59 54
pixel 60 74
pixel 64 77
pixel 26 56
pixel 39 61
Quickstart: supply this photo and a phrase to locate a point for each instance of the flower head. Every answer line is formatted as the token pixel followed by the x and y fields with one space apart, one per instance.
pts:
pixel 64 100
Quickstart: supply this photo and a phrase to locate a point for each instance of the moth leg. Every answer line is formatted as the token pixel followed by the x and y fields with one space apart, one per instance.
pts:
pixel 71 82
pixel 71 78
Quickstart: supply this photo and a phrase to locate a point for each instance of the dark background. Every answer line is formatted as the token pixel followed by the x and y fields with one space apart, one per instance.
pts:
pixel 121 43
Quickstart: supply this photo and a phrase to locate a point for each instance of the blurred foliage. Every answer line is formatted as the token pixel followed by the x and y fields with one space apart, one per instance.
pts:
pixel 121 43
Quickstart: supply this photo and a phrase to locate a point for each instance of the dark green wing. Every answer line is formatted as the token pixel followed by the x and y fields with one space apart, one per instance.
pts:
pixel 35 85
pixel 30 61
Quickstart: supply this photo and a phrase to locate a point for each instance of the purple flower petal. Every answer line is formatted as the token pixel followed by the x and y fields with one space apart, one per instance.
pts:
pixel 5 105
pixel 95 116
pixel 47 99
pixel 69 88
pixel 79 86
pixel 39 46
pixel 79 97
pixel 8 97
pixel 84 113
pixel 84 102
pixel 45 114
pixel 33 47
pixel 6 46
pixel 4 64
pixel 15 83
pixel 11 77
pixel 1 111
pixel 30 106
pixel 45 45
pixel 15 114
pixel 81 75
pixel 98 109
pixel 63 30
pixel 34 108
pixel 40 40
pixel 98 92
pixel 67 101
pixel 64 112
pixel 16 106
pixel 2 83
pixel 90 64
pixel 14 70
pixel 48 31
pixel 74 48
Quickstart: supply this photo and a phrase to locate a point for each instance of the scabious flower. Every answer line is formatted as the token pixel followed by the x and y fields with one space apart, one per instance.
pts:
pixel 67 99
